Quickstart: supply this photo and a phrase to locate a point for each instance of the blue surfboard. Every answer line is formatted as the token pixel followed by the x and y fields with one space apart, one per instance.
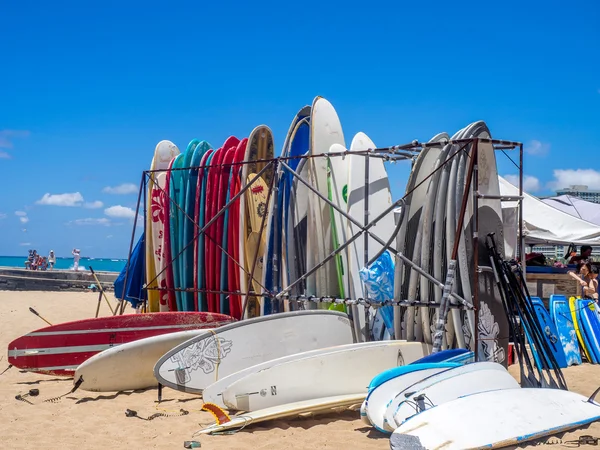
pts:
pixel 174 225
pixel 591 325
pixel 202 300
pixel 561 316
pixel 550 332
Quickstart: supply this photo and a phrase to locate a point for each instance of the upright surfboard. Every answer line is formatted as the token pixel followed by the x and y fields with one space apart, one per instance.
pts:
pixel 561 315
pixel 175 192
pixel 164 153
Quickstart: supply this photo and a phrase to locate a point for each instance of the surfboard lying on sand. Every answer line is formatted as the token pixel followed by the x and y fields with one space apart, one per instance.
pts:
pixel 59 349
pixel 496 419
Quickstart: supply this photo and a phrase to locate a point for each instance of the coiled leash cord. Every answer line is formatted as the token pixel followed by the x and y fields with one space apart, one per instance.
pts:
pixel 132 413
pixel 32 393
pixel 585 439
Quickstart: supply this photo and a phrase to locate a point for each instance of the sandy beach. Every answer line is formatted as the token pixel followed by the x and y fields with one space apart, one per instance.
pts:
pixel 97 421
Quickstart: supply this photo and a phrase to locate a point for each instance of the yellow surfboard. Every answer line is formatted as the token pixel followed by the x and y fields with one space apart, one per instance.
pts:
pixel 573 309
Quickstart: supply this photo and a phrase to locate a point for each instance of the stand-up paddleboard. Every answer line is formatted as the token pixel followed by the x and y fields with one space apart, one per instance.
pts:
pixel 297 249
pixel 212 199
pixel 214 392
pixel 380 199
pixel 175 191
pixel 496 419
pixel 445 387
pixel 412 222
pixel 587 321
pixel 550 332
pixel 294 381
pixel 199 362
pixel 164 153
pixel 260 148
pixel 326 130
pixel 112 370
pixel 59 349
pixel 387 384
pixel 276 248
pixel 190 229
pixel 166 263
pixel 578 331
pixel 199 214
pixel 234 264
pixel 187 298
pixel 561 316
pixel 320 405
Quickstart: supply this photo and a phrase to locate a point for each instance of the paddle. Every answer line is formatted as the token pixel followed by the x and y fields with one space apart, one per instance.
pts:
pixel 38 314
pixel 101 294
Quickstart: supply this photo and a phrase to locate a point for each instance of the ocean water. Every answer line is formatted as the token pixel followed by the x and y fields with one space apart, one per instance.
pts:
pixel 99 264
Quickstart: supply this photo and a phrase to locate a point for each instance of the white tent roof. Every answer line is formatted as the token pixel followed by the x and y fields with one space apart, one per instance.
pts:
pixel 576 207
pixel 543 223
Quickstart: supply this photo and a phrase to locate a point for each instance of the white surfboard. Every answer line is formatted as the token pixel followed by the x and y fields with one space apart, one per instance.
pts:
pixel 380 199
pixel 213 393
pixel 376 402
pixel 129 366
pixel 326 130
pixel 308 407
pixel 199 362
pixel 496 419
pixel 349 371
pixel 452 388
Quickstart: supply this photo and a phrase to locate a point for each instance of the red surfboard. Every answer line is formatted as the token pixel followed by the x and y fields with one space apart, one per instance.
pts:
pixel 211 206
pixel 199 194
pixel 235 301
pixel 59 349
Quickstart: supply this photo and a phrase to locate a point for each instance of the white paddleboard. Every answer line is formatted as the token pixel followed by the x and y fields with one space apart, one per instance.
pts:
pixel 199 362
pixel 214 392
pixel 496 419
pixel 129 366
pixel 308 407
pixel 348 371
pixel 464 383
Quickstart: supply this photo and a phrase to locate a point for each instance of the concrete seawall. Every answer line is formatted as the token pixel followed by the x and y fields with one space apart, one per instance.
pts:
pixel 12 279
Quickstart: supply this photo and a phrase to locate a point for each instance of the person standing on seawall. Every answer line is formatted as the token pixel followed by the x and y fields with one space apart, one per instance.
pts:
pixel 51 259
pixel 76 257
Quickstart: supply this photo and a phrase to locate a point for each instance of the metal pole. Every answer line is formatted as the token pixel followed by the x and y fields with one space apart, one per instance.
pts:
pixel 366 241
pixel 521 249
pixel 475 189
pixel 145 306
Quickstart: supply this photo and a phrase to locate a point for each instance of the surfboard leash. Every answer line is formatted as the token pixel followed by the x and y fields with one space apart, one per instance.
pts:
pixel 585 439
pixel 133 413
pixel 32 393
pixel 6 370
pixel 60 397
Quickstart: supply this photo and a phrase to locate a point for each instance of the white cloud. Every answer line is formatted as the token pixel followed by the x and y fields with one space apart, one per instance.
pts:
pixel 2 216
pixel 537 148
pixel 125 188
pixel 20 213
pixel 120 211
pixel 109 236
pixel 93 205
pixel 25 244
pixel 24 219
pixel 70 199
pixel 91 221
pixel 4 155
pixel 530 184
pixel 564 178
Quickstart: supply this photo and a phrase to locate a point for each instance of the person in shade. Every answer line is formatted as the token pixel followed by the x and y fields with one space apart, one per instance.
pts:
pixel 584 256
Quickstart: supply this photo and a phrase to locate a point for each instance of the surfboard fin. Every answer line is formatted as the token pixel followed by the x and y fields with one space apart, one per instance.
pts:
pixel 593 396
pixel 220 416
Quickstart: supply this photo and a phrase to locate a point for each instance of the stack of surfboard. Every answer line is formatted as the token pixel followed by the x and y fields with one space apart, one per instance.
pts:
pixel 427 236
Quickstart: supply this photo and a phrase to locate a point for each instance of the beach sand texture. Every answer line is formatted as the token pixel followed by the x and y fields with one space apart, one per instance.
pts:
pixel 86 420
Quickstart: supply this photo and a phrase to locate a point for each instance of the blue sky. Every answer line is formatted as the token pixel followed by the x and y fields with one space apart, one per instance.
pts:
pixel 87 89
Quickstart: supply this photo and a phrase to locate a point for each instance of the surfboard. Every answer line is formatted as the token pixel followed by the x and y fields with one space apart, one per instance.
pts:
pixel 212 199
pixel 111 369
pixel 496 419
pixel 199 246
pixel 580 336
pixel 561 316
pixel 199 362
pixel 213 392
pixel 315 406
pixel 325 130
pixel 59 349
pixel 224 232
pixel 175 191
pixel 234 264
pixel 447 386
pixel 298 250
pixel 550 332
pixel 444 355
pixel 259 148
pixel 164 153
pixel 588 324
pixel 167 261
pixel 189 226
pixel 352 368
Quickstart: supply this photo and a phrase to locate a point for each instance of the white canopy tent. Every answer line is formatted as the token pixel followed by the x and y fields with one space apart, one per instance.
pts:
pixel 576 207
pixel 542 223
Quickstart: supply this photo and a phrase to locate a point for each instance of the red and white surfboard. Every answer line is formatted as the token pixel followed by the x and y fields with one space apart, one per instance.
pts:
pixel 59 349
